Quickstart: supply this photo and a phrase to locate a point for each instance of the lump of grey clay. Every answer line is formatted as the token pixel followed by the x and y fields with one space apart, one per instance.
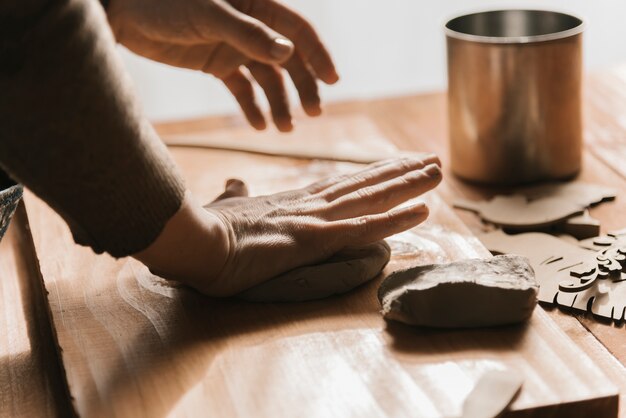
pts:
pixel 341 273
pixel 464 294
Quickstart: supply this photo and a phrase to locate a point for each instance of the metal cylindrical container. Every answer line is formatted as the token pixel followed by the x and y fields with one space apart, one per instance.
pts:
pixel 514 96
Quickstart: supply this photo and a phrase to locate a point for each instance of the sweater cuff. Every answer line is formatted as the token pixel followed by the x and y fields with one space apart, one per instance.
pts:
pixel 128 213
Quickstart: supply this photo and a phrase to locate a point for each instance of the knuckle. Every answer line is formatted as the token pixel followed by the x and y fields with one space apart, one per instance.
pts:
pixel 365 193
pixel 390 219
pixel 314 234
pixel 413 178
pixel 406 164
pixel 303 31
pixel 361 226
pixel 303 78
pixel 238 85
pixel 218 70
pixel 254 32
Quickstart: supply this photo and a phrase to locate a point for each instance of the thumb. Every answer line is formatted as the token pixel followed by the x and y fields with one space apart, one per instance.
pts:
pixel 234 188
pixel 252 37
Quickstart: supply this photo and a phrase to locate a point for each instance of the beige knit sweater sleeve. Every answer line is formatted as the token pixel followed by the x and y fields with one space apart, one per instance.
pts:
pixel 71 130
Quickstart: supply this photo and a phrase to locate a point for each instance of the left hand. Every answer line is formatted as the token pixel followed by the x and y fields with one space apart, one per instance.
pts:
pixel 221 37
pixel 237 241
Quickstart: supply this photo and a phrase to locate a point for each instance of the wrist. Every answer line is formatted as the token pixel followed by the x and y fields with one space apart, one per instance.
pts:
pixel 192 248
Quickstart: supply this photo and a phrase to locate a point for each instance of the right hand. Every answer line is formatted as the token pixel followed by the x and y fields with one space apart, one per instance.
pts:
pixel 248 240
pixel 241 42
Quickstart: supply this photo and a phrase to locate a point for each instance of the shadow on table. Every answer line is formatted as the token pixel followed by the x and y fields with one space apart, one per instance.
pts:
pixel 33 381
pixel 175 344
pixel 406 339
pixel 172 345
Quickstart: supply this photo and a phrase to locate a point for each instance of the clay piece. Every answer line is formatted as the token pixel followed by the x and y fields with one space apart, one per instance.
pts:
pixel 572 276
pixel 492 394
pixel 464 294
pixel 538 207
pixel 10 196
pixel 341 273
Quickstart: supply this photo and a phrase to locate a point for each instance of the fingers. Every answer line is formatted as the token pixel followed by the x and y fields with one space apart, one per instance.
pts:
pixel 318 186
pixel 370 228
pixel 386 195
pixel 241 87
pixel 251 36
pixel 222 60
pixel 271 81
pixel 375 174
pixel 306 84
pixel 233 188
pixel 302 34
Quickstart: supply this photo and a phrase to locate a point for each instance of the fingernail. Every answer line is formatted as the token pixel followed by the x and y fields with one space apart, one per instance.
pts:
pixel 313 109
pixel 259 125
pixel 432 170
pixel 332 78
pixel 285 125
pixel 419 207
pixel 281 48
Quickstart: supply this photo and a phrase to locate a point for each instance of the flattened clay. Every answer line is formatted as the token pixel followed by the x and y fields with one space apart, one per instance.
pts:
pixel 465 294
pixel 341 273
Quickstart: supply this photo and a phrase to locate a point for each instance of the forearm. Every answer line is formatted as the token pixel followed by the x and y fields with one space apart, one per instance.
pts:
pixel 72 131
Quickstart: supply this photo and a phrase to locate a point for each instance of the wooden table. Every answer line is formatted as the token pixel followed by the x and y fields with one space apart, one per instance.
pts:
pixel 32 378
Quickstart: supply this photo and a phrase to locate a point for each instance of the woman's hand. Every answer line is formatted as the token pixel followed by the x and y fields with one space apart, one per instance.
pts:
pixel 238 41
pixel 241 241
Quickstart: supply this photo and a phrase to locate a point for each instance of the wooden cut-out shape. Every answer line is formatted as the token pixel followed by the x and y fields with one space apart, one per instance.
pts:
pixel 566 238
pixel 539 206
pixel 581 227
pixel 464 294
pixel 343 272
pixel 601 242
pixel 584 194
pixel 617 233
pixel 518 213
pixel 583 271
pixel 492 394
pixel 579 278
pixel 539 247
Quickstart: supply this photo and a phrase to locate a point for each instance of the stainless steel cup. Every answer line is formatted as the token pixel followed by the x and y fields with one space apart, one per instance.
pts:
pixel 514 95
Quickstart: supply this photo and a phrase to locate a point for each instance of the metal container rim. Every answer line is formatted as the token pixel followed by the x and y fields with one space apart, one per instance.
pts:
pixel 576 30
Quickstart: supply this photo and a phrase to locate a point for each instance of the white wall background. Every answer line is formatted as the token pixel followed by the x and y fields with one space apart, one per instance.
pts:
pixel 381 48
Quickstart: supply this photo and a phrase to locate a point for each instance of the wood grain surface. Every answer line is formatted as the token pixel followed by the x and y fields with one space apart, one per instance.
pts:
pixel 419 123
pixel 134 345
pixel 31 381
pixel 140 347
